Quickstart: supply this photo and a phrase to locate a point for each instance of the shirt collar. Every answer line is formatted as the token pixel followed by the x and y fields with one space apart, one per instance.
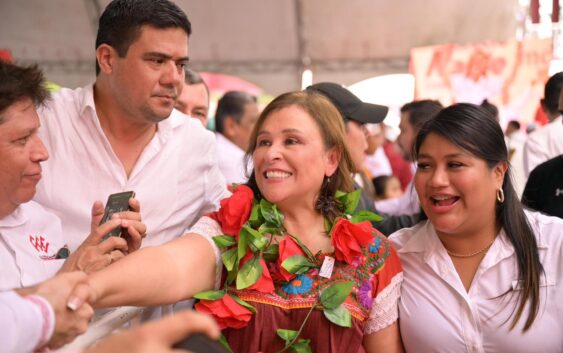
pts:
pixel 14 219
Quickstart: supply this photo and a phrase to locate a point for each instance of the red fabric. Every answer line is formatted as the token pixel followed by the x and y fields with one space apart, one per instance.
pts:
pixel 401 168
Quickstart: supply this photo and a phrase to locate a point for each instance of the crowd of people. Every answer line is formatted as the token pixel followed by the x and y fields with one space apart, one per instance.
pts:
pixel 296 227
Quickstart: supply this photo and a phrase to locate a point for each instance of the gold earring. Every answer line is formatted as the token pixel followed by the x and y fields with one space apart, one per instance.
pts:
pixel 500 195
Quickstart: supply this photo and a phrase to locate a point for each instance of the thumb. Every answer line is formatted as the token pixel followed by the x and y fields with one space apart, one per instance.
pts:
pixel 97 214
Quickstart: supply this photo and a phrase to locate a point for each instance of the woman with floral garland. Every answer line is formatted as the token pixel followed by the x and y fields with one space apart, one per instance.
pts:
pixel 286 264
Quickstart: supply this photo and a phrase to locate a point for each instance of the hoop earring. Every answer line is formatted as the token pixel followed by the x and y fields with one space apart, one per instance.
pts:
pixel 500 195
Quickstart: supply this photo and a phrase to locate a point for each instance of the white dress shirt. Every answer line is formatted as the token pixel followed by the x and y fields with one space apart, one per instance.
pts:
pixel 543 144
pixel 230 159
pixel 175 179
pixel 24 323
pixel 378 164
pixel 30 238
pixel 437 314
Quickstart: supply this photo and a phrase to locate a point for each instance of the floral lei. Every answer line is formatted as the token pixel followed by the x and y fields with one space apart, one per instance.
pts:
pixel 249 227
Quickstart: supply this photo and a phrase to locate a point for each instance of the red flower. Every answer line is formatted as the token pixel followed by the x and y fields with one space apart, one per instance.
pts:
pixel 264 283
pixel 226 311
pixel 287 248
pixel 235 210
pixel 348 238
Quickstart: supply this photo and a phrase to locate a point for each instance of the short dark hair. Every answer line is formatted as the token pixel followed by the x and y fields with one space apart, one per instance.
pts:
pixel 421 111
pixel 515 124
pixel 551 93
pixel 231 104
pixel 473 129
pixel 380 184
pixel 18 82
pixel 121 22
pixel 194 78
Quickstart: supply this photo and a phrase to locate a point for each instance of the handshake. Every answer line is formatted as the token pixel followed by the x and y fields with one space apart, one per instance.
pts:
pixel 68 295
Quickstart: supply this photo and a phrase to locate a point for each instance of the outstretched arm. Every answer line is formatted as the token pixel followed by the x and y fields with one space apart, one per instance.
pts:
pixel 156 275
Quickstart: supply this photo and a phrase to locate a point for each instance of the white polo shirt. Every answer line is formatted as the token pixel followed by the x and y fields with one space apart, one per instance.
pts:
pixel 437 314
pixel 543 144
pixel 175 179
pixel 30 238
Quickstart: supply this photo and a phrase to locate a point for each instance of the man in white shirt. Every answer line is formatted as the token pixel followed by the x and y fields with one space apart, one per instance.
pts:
pixel 237 112
pixel 413 116
pixel 121 133
pixel 32 247
pixel 194 99
pixel 546 142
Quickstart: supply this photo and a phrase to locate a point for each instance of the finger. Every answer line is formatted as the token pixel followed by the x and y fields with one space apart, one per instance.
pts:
pixel 112 243
pixel 172 329
pixel 101 231
pixel 131 215
pixel 97 214
pixel 82 293
pixel 135 205
pixel 116 255
pixel 134 238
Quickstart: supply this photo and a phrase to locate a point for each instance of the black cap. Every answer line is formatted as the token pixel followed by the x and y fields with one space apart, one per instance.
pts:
pixel 349 105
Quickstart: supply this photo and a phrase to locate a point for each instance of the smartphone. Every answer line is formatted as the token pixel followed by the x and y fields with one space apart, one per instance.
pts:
pixel 118 202
pixel 199 343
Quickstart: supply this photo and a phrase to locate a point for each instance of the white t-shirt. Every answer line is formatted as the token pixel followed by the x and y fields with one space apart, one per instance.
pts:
pixel 543 144
pixel 437 314
pixel 230 159
pixel 175 179
pixel 30 238
pixel 408 203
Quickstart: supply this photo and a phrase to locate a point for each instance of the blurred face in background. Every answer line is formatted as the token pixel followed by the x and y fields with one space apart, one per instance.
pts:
pixel 357 143
pixel 194 102
pixel 406 138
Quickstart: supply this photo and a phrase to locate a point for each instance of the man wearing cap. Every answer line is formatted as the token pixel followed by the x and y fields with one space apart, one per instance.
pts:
pixel 357 113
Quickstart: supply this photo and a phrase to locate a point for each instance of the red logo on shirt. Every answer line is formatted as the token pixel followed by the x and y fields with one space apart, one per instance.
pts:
pixel 39 243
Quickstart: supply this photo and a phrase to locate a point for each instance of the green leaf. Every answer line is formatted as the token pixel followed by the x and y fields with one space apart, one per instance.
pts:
pixel 287 335
pixel 255 217
pixel 229 258
pixel 271 214
pixel 232 275
pixel 225 344
pixel 302 346
pixel 297 264
pixel 339 316
pixel 256 240
pixel 350 201
pixel 249 274
pixel 266 229
pixel 224 241
pixel 243 303
pixel 242 243
pixel 365 215
pixel 328 225
pixel 210 295
pixel 304 248
pixel 271 253
pixel 335 294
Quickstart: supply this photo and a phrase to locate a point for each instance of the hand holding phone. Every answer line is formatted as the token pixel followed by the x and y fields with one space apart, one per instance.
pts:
pixel 116 203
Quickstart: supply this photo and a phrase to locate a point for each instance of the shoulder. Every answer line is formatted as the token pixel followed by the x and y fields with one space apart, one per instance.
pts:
pixel 401 237
pixel 547 229
pixel 190 130
pixel 37 213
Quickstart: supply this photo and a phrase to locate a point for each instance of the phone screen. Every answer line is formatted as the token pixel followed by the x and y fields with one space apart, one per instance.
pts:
pixel 118 202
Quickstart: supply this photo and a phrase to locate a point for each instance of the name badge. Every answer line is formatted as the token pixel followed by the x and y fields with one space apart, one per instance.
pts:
pixel 327 267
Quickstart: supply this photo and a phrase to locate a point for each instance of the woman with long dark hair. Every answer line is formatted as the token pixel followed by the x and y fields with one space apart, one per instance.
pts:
pixel 481 274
